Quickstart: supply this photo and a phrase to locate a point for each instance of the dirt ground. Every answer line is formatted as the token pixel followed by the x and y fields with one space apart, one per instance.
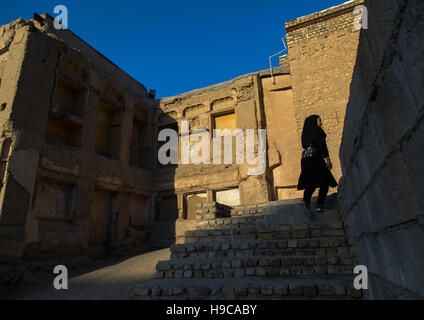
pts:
pixel 108 280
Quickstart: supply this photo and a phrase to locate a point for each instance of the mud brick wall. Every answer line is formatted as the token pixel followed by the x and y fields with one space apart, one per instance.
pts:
pixel 63 194
pixel 322 50
pixel 382 150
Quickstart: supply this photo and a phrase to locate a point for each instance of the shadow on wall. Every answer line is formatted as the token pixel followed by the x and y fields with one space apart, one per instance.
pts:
pixel 165 202
pixel 382 150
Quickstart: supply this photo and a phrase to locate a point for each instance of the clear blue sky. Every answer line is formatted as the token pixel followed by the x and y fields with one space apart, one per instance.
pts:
pixel 177 46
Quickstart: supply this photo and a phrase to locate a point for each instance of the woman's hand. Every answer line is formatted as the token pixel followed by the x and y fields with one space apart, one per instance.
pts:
pixel 329 164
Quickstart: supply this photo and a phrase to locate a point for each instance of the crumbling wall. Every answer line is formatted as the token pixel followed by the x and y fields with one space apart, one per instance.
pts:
pixel 69 189
pixel 16 186
pixel 230 105
pixel 165 215
pixel 284 147
pixel 322 50
pixel 381 154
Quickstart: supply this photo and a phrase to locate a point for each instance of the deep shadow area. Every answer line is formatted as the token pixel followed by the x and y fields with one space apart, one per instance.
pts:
pixel 112 278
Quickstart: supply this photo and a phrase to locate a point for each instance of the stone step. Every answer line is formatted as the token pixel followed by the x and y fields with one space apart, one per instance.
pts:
pixel 232 222
pixel 247 289
pixel 254 266
pixel 282 232
pixel 266 252
pixel 262 248
pixel 262 220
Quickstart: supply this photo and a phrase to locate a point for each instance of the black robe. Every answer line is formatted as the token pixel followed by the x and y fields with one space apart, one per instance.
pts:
pixel 315 173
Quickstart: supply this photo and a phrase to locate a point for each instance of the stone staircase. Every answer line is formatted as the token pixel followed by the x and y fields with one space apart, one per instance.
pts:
pixel 271 253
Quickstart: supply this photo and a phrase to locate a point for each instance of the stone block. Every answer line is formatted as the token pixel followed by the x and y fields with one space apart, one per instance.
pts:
pixel 240 291
pixel 252 262
pixel 178 290
pixel 337 225
pixel 323 243
pixel 295 271
pixel 268 236
pixel 303 244
pixel 228 291
pixel 282 244
pixel 275 262
pixel 267 290
pixel 313 244
pixel 292 244
pixel 253 291
pixel 335 233
pixel 297 261
pixel 284 272
pixel 298 227
pixel 250 272
pixel 316 233
pixel 142 290
pixel 300 234
pixel 163 266
pixel 178 274
pixel 295 290
pixel 340 291
pixel 354 293
pixel 260 271
pixel 228 273
pixel 283 228
pixel 156 291
pixel 281 289
pixel 263 261
pixel 320 270
pixel 321 260
pixel 204 291
pixel 325 290
pixel 239 272
pixel 333 270
pixel 236 263
pixel 206 266
pixel 188 274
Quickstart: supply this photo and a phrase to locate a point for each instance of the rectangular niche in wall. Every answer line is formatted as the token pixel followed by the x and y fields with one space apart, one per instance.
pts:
pixel 55 200
pixel 140 148
pixel 225 121
pixel 229 197
pixel 63 131
pixel 103 214
pixel 69 97
pixel 65 121
pixel 192 201
pixel 167 209
pixel 108 133
pixel 139 210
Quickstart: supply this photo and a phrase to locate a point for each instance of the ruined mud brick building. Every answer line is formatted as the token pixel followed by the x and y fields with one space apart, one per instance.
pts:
pixel 276 255
pixel 76 144
pixel 79 141
pixel 79 168
pixel 313 78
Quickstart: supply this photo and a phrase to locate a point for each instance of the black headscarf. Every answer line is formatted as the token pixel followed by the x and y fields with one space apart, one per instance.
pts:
pixel 311 131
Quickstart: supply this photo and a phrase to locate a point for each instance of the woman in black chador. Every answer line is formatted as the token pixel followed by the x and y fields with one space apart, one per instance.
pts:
pixel 316 164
